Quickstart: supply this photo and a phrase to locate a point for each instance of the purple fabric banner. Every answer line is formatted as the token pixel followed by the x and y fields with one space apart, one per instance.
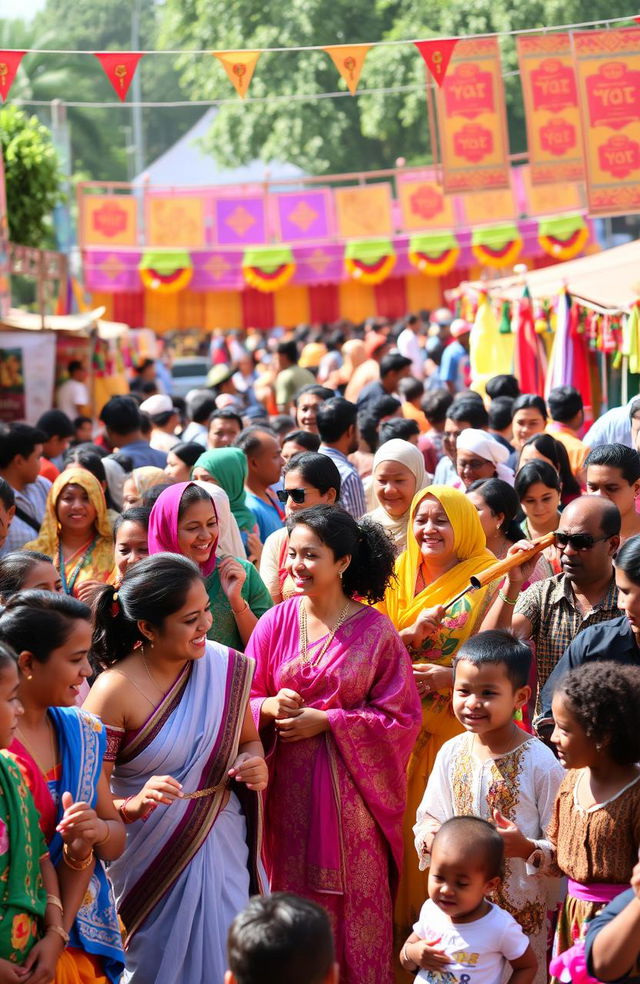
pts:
pixel 305 215
pixel 111 270
pixel 240 221
pixel 217 270
pixel 319 264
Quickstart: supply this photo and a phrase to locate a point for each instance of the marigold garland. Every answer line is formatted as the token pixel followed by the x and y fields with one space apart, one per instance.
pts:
pixel 370 273
pixel 166 283
pixel 489 256
pixel 565 249
pixel 435 266
pixel 269 281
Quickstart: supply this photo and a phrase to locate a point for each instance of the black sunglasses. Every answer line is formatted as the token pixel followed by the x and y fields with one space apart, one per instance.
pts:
pixel 578 541
pixel 297 495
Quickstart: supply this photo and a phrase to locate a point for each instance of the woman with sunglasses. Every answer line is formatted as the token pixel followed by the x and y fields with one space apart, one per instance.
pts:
pixel 309 480
pixel 184 521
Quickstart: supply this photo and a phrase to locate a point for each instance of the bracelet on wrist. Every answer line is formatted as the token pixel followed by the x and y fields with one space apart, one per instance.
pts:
pixel 406 956
pixel 502 596
pixel 78 864
pixel 59 931
pixel 54 900
pixel 103 840
pixel 242 610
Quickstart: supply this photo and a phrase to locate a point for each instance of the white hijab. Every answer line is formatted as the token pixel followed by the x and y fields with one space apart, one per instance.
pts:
pixel 229 539
pixel 403 453
pixel 485 446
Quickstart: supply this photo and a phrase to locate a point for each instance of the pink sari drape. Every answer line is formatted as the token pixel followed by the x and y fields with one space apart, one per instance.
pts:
pixel 335 802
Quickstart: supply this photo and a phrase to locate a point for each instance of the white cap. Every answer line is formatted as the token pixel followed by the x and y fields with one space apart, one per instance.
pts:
pixel 156 404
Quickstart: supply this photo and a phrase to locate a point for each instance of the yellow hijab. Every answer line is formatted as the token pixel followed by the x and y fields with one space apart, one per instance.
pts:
pixel 470 547
pixel 47 542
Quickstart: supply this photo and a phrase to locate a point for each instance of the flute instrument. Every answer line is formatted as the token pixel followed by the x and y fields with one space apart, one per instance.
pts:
pixel 501 567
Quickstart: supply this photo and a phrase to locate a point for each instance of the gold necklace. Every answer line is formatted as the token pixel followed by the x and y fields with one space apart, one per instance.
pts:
pixel 54 757
pixel 154 682
pixel 304 639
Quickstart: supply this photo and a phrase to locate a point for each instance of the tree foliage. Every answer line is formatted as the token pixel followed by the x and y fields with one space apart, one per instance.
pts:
pixel 371 130
pixel 33 177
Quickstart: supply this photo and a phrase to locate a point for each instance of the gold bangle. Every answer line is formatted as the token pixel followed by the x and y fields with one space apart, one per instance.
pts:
pixel 78 864
pixel 64 936
pixel 54 900
pixel 106 836
pixel 242 610
pixel 502 596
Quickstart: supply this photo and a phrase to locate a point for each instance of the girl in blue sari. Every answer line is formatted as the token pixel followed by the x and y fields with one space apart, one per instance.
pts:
pixel 60 750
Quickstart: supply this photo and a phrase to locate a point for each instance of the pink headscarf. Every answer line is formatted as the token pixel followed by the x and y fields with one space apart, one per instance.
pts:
pixel 163 525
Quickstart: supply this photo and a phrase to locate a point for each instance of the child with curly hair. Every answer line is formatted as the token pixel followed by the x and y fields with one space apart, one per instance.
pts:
pixel 596 820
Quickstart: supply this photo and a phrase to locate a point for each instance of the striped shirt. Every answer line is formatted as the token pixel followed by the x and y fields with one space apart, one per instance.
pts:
pixel 32 500
pixel 352 495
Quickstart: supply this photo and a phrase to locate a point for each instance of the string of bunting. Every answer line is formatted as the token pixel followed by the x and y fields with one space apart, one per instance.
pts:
pixel 120 67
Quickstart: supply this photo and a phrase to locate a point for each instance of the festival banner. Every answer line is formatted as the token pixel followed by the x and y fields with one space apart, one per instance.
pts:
pixel 364 211
pixel 424 206
pixel 370 262
pixel 119 67
pixel 239 66
pixel 304 215
pixel 496 246
pixel 319 264
pixel 268 268
pixel 489 207
pixel 166 272
pixel 240 221
pixel 111 271
pixel 9 63
pixel 551 108
pixel 27 370
pixel 608 73
pixel 434 253
pixel 563 237
pixel 437 55
pixel 550 199
pixel 472 119
pixel 219 270
pixel 108 220
pixel 349 59
pixel 175 221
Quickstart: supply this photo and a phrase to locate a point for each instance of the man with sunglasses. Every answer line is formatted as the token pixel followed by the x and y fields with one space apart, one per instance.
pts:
pixel 553 611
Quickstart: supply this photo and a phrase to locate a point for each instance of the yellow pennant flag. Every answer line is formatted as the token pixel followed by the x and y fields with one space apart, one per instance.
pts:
pixel 349 59
pixel 239 66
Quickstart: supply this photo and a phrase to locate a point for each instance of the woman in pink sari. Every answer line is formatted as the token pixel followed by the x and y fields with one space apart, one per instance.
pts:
pixel 338 711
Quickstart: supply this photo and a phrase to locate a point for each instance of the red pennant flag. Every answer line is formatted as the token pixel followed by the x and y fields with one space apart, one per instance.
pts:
pixel 437 55
pixel 119 69
pixel 9 62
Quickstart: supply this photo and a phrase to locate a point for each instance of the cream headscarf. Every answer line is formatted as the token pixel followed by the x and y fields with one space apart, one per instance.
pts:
pixel 485 446
pixel 403 453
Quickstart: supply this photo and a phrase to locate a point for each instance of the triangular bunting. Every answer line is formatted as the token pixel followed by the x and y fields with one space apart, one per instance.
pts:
pixel 119 67
pixel 349 59
pixel 239 66
pixel 9 62
pixel 437 55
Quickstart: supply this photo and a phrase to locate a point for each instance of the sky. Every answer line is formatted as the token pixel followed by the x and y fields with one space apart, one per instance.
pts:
pixel 27 8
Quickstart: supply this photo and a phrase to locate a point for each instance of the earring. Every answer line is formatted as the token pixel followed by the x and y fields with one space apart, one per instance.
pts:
pixel 340 574
pixel 151 644
pixel 598 747
pixel 29 676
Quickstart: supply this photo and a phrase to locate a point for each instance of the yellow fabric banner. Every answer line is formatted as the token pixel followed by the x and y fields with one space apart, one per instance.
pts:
pixel 349 59
pixel 239 66
pixel 364 212
pixel 108 220
pixel 608 74
pixel 551 109
pixel 472 118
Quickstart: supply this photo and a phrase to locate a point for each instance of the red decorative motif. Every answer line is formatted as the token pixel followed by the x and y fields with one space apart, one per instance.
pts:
pixel 558 136
pixel 426 202
pixel 553 86
pixel 619 156
pixel 473 142
pixel 613 95
pixel 110 219
pixel 468 91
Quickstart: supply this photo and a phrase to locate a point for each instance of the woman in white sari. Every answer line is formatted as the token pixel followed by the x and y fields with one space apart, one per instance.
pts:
pixel 185 764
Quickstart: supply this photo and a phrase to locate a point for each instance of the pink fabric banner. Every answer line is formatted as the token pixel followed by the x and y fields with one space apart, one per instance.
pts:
pixel 240 221
pixel 112 270
pixel 217 270
pixel 305 216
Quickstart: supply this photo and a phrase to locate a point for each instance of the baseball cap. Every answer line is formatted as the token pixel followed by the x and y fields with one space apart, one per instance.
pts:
pixel 459 327
pixel 219 375
pixel 158 403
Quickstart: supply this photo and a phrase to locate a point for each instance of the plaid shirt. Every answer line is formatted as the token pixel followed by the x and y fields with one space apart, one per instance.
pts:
pixel 556 618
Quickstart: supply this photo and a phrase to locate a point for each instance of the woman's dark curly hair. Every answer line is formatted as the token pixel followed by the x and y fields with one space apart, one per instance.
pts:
pixel 371 550
pixel 604 697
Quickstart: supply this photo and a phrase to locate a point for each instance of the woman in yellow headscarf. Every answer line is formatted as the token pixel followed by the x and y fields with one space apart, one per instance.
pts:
pixel 445 546
pixel 76 533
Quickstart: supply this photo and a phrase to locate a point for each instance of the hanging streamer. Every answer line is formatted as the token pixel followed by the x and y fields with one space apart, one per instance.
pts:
pixel 370 261
pixel 119 67
pixel 434 254
pixel 9 64
pixel 564 237
pixel 166 273
pixel 349 59
pixel 496 246
pixel 268 268
pixel 239 66
pixel 437 55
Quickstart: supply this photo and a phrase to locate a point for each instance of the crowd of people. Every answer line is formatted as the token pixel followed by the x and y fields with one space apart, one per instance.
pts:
pixel 254 726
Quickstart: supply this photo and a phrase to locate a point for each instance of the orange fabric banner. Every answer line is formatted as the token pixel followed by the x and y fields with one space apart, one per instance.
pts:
pixel 349 59
pixel 608 73
pixel 424 206
pixel 108 220
pixel 175 221
pixel 472 119
pixel 551 108
pixel 239 66
pixel 364 212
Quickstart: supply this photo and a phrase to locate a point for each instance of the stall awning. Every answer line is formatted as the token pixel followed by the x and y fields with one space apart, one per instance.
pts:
pixel 27 321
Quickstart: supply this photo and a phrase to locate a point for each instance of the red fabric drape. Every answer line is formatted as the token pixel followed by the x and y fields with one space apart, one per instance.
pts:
pixel 324 303
pixel 453 279
pixel 129 307
pixel 391 298
pixel 258 309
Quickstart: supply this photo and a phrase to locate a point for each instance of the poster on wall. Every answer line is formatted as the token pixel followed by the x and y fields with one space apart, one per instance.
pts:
pixel 27 369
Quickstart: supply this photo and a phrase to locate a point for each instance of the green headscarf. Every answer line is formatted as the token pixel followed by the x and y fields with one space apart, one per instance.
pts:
pixel 229 468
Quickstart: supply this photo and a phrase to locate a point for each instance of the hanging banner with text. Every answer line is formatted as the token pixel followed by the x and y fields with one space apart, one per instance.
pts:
pixel 608 74
pixel 551 108
pixel 472 119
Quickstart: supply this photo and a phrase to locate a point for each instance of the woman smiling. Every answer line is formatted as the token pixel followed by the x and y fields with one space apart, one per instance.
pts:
pixel 398 474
